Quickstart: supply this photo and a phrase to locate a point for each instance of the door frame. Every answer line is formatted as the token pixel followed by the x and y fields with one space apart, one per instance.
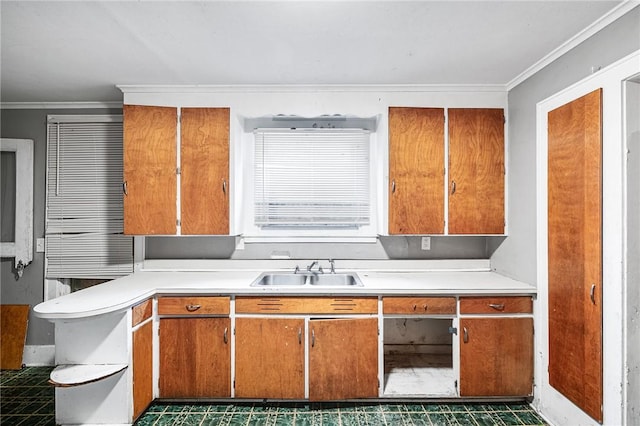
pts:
pixel 553 405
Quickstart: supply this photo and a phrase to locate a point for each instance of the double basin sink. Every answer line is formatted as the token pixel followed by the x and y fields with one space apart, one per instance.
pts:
pixel 276 279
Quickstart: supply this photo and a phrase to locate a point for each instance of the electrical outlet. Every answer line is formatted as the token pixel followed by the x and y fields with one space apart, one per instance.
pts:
pixel 425 243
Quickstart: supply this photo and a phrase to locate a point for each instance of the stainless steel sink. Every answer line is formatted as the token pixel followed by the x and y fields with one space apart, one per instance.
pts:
pixel 336 280
pixel 275 279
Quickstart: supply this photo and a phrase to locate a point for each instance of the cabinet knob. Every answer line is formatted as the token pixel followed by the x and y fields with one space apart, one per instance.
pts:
pixel 592 294
pixel 299 336
pixel 453 187
pixel 192 308
pixel 224 186
pixel 497 306
pixel 124 188
pixel 313 338
pixel 465 335
pixel 225 338
pixel 393 186
pixel 424 307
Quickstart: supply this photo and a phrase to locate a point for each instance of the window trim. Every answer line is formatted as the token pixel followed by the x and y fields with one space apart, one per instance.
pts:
pixel 21 249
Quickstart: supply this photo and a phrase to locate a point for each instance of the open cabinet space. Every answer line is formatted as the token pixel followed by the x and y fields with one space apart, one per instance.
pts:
pixel 418 358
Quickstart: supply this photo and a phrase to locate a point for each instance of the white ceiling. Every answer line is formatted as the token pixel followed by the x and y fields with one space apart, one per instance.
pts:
pixel 78 51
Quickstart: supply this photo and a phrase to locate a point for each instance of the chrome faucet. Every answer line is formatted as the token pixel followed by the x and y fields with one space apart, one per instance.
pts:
pixel 333 265
pixel 314 263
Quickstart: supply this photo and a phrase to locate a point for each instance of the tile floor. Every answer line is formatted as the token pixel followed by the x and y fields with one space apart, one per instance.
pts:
pixel 27 400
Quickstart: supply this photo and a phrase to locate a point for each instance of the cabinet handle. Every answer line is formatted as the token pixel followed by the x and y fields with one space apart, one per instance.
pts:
pixel 465 335
pixel 415 307
pixel 313 338
pixel 192 308
pixel 224 186
pixel 497 306
pixel 424 307
pixel 453 187
pixel 592 294
pixel 299 336
pixel 226 329
pixel 393 186
pixel 124 188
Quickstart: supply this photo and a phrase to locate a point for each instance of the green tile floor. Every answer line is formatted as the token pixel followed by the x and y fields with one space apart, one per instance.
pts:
pixel 27 400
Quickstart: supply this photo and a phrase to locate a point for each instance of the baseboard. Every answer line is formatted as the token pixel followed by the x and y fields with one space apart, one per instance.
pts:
pixel 39 355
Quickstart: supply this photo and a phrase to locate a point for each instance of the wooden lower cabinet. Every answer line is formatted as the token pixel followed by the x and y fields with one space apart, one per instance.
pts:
pixel 496 356
pixel 343 359
pixel 195 358
pixel 142 368
pixel 269 358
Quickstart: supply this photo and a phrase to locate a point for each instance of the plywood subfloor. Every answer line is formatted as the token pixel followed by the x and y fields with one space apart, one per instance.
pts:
pixel 413 375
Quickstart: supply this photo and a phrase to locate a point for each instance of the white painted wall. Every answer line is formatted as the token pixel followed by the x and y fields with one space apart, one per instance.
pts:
pixel 632 308
pixel 548 401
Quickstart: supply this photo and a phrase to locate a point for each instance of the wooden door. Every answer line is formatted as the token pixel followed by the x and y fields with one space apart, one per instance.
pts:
pixel 149 170
pixel 496 356
pixel 270 358
pixel 575 251
pixel 204 178
pixel 343 359
pixel 476 171
pixel 416 170
pixel 195 358
pixel 142 368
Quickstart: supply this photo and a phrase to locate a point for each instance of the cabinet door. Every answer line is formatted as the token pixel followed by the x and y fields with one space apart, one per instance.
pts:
pixel 269 358
pixel 575 251
pixel 195 358
pixel 476 171
pixel 496 356
pixel 149 170
pixel 416 170
pixel 343 359
pixel 142 368
pixel 204 176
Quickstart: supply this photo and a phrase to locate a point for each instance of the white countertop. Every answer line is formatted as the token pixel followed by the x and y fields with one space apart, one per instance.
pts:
pixel 127 291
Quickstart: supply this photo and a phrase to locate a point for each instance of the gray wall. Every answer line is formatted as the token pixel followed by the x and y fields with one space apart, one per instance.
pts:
pixel 31 124
pixel 516 257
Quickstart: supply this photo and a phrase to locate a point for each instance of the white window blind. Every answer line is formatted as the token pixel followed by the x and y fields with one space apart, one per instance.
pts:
pixel 84 218
pixel 312 178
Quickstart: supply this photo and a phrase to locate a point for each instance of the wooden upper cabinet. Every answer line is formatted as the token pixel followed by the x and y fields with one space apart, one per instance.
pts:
pixel 204 164
pixel 416 170
pixel 476 171
pixel 149 170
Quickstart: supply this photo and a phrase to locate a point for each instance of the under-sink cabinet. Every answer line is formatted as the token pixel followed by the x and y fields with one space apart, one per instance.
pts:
pixel 194 347
pixel 332 342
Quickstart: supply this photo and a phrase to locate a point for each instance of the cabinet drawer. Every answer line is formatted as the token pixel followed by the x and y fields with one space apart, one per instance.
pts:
pixel 419 305
pixel 496 305
pixel 204 305
pixel 307 305
pixel 141 312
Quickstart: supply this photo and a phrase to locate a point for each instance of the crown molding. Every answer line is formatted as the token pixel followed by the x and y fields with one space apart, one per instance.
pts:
pixel 620 10
pixel 61 105
pixel 307 88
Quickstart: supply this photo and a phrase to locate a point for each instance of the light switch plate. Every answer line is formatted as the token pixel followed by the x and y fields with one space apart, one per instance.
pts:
pixel 426 243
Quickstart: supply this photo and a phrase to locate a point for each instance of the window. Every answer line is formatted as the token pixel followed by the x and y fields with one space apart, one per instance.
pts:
pixel 17 201
pixel 312 182
pixel 84 217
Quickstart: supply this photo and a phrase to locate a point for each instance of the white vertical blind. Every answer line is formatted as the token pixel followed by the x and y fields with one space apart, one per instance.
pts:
pixel 312 177
pixel 84 218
